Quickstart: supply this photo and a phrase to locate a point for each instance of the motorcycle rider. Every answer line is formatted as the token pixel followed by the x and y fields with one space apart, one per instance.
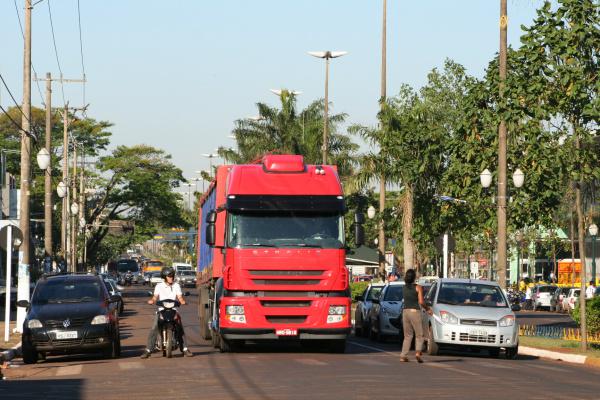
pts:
pixel 166 290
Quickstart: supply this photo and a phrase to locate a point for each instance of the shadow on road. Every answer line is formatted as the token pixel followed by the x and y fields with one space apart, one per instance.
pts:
pixel 63 389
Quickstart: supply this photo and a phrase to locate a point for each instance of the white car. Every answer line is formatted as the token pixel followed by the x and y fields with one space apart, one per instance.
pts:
pixel 570 300
pixel 541 296
pixel 155 278
pixel 473 314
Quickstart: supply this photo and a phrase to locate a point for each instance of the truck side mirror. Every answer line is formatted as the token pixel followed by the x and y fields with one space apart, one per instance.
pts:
pixel 359 218
pixel 211 230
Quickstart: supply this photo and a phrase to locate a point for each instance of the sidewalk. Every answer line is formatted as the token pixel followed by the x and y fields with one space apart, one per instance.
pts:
pixel 559 350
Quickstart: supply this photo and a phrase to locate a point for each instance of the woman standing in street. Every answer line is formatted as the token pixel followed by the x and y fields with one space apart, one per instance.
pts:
pixel 411 316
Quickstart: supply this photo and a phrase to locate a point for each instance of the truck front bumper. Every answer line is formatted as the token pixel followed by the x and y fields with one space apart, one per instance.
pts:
pixel 269 334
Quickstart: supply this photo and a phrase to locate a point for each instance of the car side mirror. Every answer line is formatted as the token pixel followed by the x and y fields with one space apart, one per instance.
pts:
pixel 515 307
pixel 359 235
pixel 428 303
pixel 376 301
pixel 23 303
pixel 359 298
pixel 114 299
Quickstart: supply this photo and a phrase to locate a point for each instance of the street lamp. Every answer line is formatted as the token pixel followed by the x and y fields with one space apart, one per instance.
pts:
pixel 486 180
pixel 593 230
pixel 43 159
pixel 326 55
pixel 61 189
pixel 371 212
pixel 210 156
pixel 74 208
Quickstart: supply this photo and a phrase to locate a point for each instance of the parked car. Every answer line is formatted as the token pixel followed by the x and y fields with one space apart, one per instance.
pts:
pixel 112 289
pixel 70 314
pixel 471 314
pixel 386 307
pixel 186 278
pixel 541 295
pixel 155 278
pixel 570 300
pixel 556 301
pixel 365 302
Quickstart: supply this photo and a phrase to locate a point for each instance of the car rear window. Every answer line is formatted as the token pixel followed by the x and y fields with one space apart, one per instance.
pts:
pixel 68 291
pixel 547 289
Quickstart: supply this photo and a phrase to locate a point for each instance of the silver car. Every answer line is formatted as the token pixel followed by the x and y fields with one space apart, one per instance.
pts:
pixel 385 309
pixel 471 314
pixel 365 302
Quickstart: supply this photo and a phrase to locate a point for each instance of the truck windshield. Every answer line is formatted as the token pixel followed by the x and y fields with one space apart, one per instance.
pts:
pixel 286 229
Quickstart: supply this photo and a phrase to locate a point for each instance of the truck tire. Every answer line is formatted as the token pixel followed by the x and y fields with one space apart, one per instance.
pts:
pixel 230 346
pixel 203 313
pixel 337 346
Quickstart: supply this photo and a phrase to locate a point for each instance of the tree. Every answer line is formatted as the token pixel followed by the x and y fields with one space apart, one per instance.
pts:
pixel 285 131
pixel 137 185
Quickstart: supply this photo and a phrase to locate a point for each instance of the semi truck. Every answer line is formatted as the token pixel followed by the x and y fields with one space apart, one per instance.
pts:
pixel 271 255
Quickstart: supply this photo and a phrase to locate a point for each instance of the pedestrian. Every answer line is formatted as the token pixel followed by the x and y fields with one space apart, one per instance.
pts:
pixel 528 302
pixel 391 277
pixel 412 322
pixel 591 289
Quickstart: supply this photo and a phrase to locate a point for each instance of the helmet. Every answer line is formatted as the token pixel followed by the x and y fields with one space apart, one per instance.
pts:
pixel 167 271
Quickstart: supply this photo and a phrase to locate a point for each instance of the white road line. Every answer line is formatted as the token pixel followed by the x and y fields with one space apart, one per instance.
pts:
pixel 373 348
pixel 373 362
pixel 492 365
pixel 310 361
pixel 547 367
pixel 451 368
pixel 131 365
pixel 70 370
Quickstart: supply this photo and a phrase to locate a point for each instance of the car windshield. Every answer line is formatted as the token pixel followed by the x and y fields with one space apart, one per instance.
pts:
pixel 471 294
pixel 393 293
pixel 187 273
pixel 286 229
pixel 127 265
pixel 374 292
pixel 154 264
pixel 68 291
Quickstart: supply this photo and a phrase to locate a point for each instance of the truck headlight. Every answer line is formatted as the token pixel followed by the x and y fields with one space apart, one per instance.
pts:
pixel 235 314
pixel 508 320
pixel 100 319
pixel 448 318
pixel 34 323
pixel 337 310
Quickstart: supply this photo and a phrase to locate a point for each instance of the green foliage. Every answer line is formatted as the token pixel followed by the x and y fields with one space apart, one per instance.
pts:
pixel 357 288
pixel 592 307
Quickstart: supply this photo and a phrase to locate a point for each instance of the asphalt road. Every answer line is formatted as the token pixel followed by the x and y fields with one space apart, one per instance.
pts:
pixel 285 371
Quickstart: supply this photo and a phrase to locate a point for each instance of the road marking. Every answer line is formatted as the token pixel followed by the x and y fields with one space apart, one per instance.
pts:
pixel 451 368
pixel 547 367
pixel 70 370
pixel 310 361
pixel 131 365
pixel 373 348
pixel 492 365
pixel 373 362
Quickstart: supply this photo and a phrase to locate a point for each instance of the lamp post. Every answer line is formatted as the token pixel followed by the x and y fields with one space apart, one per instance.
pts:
pixel 519 238
pixel 593 230
pixel 327 55
pixel 486 180
pixel 210 156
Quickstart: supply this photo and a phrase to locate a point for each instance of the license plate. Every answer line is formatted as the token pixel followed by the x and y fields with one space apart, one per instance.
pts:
pixel 66 335
pixel 286 332
pixel 478 332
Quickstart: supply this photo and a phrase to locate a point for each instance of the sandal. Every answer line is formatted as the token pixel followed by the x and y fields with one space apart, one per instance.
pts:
pixel 419 359
pixel 404 359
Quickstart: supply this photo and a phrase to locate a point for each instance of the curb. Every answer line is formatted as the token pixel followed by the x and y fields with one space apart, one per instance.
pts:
pixel 8 355
pixel 554 355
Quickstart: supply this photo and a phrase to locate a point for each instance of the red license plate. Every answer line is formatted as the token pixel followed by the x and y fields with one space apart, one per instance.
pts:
pixel 286 332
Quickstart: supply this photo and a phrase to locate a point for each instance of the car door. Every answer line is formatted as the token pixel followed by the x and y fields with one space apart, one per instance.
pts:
pixel 429 299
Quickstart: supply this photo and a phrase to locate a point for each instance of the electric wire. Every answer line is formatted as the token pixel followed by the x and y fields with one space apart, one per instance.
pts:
pixel 32 67
pixel 62 89
pixel 81 48
pixel 35 135
pixel 15 123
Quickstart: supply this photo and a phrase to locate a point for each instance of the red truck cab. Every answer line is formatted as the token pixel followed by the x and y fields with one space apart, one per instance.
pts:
pixel 277 257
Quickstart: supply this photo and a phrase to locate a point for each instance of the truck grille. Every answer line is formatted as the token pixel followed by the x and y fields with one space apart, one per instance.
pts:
pixel 262 272
pixel 285 303
pixel 286 281
pixel 478 322
pixel 286 319
pixel 465 337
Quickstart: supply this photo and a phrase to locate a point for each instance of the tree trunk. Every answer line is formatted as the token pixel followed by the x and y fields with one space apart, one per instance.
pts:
pixel 407 224
pixel 581 239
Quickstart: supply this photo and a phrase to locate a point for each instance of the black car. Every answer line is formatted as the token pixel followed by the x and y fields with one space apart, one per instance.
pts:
pixel 70 314
pixel 112 289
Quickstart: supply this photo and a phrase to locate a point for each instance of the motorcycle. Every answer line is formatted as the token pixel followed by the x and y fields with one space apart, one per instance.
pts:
pixel 168 327
pixel 128 279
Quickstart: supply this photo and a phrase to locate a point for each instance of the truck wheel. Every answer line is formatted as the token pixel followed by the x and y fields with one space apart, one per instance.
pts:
pixel 203 314
pixel 30 355
pixel 432 347
pixel 337 346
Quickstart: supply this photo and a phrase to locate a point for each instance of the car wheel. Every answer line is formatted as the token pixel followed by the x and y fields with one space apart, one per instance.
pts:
pixel 338 346
pixel 494 352
pixel 372 333
pixel 113 350
pixel 535 307
pixel 432 347
pixel 30 355
pixel 511 352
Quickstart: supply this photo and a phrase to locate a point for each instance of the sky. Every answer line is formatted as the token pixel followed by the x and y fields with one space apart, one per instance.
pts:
pixel 176 74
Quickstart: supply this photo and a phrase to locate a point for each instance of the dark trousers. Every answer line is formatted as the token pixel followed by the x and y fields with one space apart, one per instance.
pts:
pixel 153 335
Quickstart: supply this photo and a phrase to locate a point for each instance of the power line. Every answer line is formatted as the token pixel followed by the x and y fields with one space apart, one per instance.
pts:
pixel 20 110
pixel 23 35
pixel 62 89
pixel 17 125
pixel 81 48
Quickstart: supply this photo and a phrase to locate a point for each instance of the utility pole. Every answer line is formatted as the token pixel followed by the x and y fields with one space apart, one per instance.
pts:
pixel 74 214
pixel 24 250
pixel 502 155
pixel 581 240
pixel 48 175
pixel 381 239
pixel 65 247
pixel 82 201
